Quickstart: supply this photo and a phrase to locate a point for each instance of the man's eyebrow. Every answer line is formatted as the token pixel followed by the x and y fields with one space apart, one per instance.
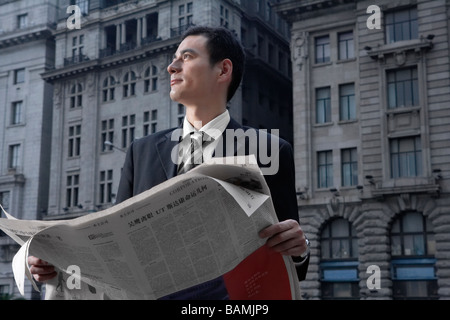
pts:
pixel 184 51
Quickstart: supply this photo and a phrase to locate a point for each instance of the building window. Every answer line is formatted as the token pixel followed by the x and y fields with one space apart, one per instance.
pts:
pixel 150 125
pixel 106 182
pixel 325 169
pixel 339 261
pixel 107 134
pixel 13 156
pixel 16 112
pixel 111 41
pixel 83 4
pixel 401 25
pixel 129 84
pixel 413 247
pixel 22 21
pixel 128 128
pixel 108 89
pixel 349 167
pixel 77 48
pixel 323 105
pixel 403 88
pixel 181 113
pixel 346 45
pixel 76 96
pixel 224 16
pixel 261 46
pixel 322 49
pixel 154 121
pixel 406 157
pixel 19 76
pixel 74 141
pixel 72 188
pixel 268 15
pixel 146 125
pixel 151 79
pixel 347 107
pixel 4 201
pixel 185 14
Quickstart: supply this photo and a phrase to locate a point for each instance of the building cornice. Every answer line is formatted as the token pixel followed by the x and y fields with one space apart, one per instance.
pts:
pixel 18 37
pixel 291 10
pixel 111 61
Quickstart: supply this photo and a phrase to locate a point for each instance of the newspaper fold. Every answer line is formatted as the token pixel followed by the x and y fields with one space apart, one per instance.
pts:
pixel 193 228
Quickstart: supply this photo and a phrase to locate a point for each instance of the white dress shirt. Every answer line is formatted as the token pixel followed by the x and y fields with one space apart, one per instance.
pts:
pixel 213 129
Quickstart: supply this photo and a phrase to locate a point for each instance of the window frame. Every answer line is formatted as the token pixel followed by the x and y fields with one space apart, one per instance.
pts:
pixel 322 48
pixel 339 271
pixel 412 24
pixel 396 163
pixel 412 82
pixel 349 108
pixel 328 167
pixel 353 163
pixel 19 76
pixel 416 269
pixel 349 52
pixel 323 104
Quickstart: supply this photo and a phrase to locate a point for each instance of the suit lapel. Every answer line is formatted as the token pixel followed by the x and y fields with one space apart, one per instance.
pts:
pixel 167 148
pixel 228 144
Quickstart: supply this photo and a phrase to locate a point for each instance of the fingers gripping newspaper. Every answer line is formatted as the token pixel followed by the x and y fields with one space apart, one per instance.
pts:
pixel 188 230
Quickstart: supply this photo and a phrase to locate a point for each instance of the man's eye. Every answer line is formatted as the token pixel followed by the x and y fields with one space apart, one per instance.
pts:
pixel 186 56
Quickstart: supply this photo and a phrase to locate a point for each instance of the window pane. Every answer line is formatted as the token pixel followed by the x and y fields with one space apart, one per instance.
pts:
pixel 392 95
pixel 342 290
pixel 413 222
pixel 19 76
pixel 431 244
pixel 396 246
pixel 340 228
pixel 325 249
pixel 340 249
pixel 415 289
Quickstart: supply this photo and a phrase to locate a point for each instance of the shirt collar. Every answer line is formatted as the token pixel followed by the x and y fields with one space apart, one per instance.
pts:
pixel 214 128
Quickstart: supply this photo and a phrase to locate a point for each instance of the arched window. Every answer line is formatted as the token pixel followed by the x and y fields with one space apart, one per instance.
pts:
pixel 339 260
pixel 151 79
pixel 413 263
pixel 76 96
pixel 108 88
pixel 129 84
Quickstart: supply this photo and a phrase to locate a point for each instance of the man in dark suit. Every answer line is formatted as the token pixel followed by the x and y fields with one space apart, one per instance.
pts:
pixel 205 73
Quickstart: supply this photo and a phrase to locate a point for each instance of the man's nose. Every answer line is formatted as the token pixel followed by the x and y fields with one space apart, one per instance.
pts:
pixel 174 67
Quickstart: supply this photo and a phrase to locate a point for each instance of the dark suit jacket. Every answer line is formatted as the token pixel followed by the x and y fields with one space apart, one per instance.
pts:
pixel 149 163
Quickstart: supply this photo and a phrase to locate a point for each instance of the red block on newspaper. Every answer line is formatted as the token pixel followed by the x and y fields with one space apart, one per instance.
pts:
pixel 261 276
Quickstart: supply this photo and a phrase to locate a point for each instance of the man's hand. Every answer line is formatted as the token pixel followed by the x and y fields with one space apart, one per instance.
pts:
pixel 285 237
pixel 41 270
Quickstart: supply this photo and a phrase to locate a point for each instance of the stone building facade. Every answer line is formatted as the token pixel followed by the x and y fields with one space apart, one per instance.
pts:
pixel 98 87
pixel 371 92
pixel 26 50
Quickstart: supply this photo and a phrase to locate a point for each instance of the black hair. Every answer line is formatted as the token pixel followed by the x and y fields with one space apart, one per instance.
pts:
pixel 222 44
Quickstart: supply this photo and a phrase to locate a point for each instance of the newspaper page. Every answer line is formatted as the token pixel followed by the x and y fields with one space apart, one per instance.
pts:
pixel 193 228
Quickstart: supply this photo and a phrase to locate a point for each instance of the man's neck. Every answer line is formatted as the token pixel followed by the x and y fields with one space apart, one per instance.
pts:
pixel 198 117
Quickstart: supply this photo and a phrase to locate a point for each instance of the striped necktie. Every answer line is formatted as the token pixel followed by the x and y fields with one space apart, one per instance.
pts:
pixel 193 156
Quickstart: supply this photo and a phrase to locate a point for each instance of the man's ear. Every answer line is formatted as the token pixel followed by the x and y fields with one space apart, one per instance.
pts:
pixel 226 69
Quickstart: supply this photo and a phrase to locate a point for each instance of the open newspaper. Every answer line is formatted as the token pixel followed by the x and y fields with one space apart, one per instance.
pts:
pixel 193 228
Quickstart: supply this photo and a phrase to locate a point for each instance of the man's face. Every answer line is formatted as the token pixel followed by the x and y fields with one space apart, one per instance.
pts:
pixel 193 79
